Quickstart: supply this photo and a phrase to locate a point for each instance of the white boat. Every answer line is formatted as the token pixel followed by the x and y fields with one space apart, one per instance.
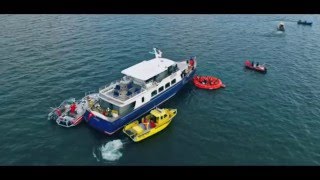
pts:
pixel 144 86
pixel 70 112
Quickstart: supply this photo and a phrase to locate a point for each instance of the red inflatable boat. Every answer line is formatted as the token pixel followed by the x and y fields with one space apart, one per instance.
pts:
pixel 256 67
pixel 207 82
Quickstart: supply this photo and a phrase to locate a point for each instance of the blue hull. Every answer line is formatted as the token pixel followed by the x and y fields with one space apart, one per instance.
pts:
pixel 112 127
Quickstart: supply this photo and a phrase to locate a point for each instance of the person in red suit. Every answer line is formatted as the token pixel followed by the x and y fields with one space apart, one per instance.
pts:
pixel 152 124
pixel 73 108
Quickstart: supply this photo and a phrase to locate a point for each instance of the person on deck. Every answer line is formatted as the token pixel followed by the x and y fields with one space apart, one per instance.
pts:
pixel 58 112
pixel 104 112
pixel 152 124
pixel 73 108
pixel 145 122
pixel 109 112
pixel 191 62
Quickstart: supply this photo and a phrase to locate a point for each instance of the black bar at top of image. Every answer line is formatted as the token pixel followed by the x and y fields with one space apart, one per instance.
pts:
pixel 160 6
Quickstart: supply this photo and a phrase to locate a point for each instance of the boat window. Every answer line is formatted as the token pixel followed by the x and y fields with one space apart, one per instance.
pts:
pixel 105 105
pixel 167 85
pixel 165 116
pixel 161 89
pixel 173 81
pixel 142 100
pixel 154 93
pixel 161 117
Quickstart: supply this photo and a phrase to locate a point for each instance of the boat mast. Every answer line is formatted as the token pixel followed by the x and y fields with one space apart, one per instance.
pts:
pixel 157 53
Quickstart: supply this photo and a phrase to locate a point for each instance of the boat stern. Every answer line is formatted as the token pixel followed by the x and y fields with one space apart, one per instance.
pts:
pixel 133 130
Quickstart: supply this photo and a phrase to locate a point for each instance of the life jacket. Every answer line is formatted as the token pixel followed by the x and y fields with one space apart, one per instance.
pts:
pixel 73 107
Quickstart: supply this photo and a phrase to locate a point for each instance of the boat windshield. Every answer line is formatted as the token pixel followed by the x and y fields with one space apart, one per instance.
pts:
pixel 153 118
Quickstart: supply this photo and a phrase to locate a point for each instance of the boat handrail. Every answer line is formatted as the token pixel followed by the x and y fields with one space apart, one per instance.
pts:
pixel 123 99
pixel 106 96
pixel 109 86
pixel 159 109
pixel 90 92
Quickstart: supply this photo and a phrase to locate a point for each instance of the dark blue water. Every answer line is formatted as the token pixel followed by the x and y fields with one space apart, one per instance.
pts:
pixel 257 119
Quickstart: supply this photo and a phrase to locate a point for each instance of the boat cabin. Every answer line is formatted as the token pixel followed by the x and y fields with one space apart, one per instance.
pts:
pixel 119 98
pixel 158 115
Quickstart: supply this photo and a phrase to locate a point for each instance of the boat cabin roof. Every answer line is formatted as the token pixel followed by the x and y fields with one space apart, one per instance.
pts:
pixel 158 112
pixel 148 69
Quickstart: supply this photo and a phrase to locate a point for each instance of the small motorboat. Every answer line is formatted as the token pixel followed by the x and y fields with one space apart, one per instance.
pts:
pixel 281 27
pixel 157 120
pixel 208 82
pixel 304 23
pixel 70 112
pixel 256 67
pixel 56 112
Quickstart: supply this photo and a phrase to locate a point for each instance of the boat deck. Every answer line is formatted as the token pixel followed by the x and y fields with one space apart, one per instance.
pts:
pixel 182 65
pixel 119 95
pixel 124 94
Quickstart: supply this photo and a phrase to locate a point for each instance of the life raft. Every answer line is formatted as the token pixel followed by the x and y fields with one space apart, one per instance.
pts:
pixel 208 82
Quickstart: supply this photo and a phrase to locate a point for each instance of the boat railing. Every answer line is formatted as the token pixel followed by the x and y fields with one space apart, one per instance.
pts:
pixel 136 92
pixel 121 95
pixel 129 94
pixel 195 61
pixel 90 92
pixel 108 117
pixel 109 86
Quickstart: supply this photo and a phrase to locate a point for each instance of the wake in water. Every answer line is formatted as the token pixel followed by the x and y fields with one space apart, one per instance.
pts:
pixel 274 33
pixel 110 151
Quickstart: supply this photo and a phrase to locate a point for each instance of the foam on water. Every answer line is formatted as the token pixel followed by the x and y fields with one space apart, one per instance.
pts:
pixel 111 150
pixel 94 155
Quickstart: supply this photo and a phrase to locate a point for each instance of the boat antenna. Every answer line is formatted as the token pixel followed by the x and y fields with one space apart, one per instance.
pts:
pixel 157 52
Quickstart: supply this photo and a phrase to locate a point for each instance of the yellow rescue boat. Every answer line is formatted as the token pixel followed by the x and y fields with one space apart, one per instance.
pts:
pixel 157 120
